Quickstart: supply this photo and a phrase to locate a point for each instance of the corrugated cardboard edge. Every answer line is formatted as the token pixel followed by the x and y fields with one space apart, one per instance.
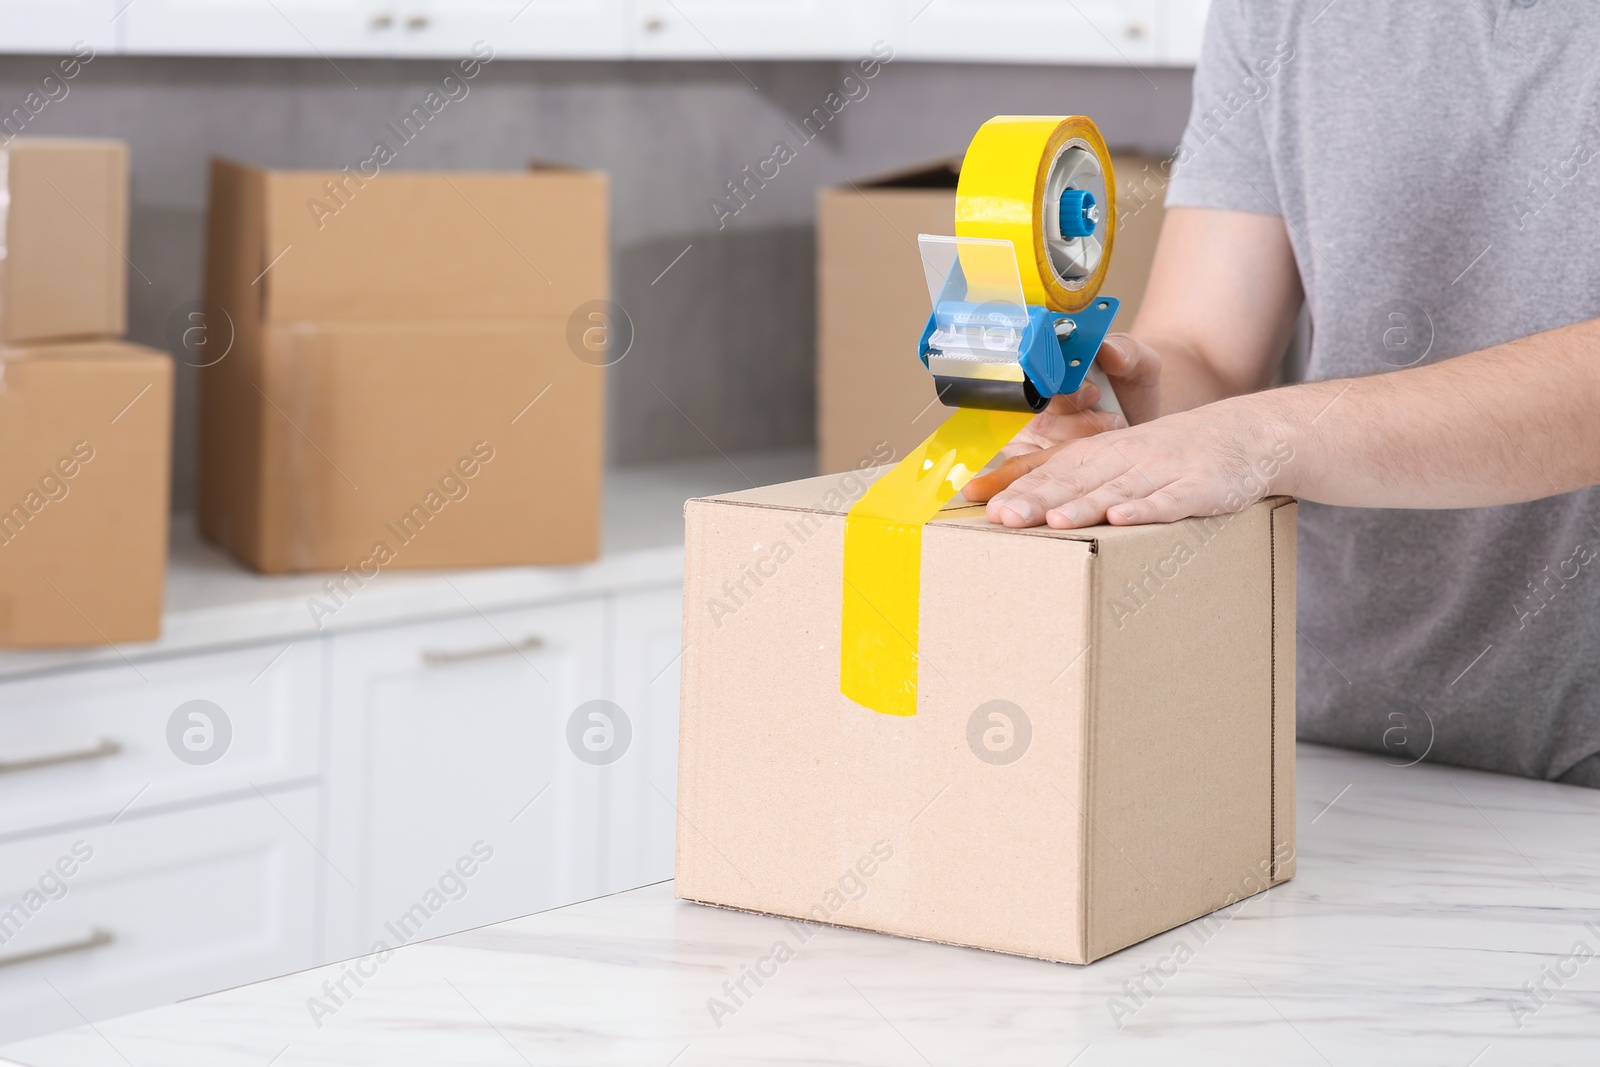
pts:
pixel 685 842
pixel 1285 526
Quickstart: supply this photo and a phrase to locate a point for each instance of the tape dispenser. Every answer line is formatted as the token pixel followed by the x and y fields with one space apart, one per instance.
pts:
pixel 1017 312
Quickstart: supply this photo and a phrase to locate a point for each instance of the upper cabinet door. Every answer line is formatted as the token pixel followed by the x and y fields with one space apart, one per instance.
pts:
pixel 56 26
pixel 513 29
pixel 327 28
pixel 1186 24
pixel 1101 32
pixel 760 29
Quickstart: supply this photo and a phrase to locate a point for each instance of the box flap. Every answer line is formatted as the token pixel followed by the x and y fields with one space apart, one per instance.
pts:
pixel 526 246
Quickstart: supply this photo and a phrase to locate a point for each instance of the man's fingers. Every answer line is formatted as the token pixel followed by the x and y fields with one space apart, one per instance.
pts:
pixel 1090 509
pixel 1057 428
pixel 1024 454
pixel 1074 473
pixel 987 485
pixel 1167 504
pixel 1119 355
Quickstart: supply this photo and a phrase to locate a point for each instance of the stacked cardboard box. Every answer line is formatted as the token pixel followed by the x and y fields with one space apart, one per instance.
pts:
pixel 415 372
pixel 873 397
pixel 85 418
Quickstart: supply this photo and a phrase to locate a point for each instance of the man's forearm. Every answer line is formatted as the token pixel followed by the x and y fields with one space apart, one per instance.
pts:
pixel 1187 379
pixel 1515 422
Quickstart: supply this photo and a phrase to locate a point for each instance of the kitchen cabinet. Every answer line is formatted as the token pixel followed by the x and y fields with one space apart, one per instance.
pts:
pixel 759 29
pixel 326 28
pixel 113 916
pixel 55 26
pixel 515 29
pixel 294 802
pixel 124 739
pixel 1106 32
pixel 1095 32
pixel 448 745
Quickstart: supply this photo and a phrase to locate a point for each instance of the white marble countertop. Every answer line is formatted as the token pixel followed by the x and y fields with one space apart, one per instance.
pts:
pixel 212 600
pixel 1429 901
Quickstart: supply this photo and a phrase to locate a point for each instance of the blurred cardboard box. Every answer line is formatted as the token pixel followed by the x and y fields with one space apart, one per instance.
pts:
pixel 85 443
pixel 403 385
pixel 64 223
pixel 873 396
pixel 1103 747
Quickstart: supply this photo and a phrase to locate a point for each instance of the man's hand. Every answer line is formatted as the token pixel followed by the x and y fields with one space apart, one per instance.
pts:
pixel 1135 372
pixel 1216 459
pixel 1066 418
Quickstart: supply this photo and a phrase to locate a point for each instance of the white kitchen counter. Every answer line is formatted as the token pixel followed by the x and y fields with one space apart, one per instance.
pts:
pixel 212 600
pixel 1427 898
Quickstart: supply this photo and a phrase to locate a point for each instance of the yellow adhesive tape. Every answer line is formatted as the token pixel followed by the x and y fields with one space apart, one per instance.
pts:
pixel 1001 195
pixel 883 556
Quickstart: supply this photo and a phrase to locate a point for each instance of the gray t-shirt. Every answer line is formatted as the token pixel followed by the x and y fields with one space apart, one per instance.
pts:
pixel 1437 163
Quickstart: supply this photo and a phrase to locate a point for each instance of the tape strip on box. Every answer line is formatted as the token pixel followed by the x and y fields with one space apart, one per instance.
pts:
pixel 883 556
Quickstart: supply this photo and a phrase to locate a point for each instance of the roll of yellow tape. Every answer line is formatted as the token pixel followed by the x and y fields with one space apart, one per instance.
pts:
pixel 1008 184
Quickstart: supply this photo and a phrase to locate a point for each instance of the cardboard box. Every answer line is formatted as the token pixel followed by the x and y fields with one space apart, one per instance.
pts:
pixel 402 390
pixel 64 223
pixel 1103 748
pixel 85 450
pixel 872 299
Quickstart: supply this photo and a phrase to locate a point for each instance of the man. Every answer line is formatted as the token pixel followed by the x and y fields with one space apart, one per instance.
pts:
pixel 1426 177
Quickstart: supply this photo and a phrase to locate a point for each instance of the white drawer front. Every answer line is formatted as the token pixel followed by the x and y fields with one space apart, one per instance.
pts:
pixel 140 912
pixel 443 735
pixel 92 743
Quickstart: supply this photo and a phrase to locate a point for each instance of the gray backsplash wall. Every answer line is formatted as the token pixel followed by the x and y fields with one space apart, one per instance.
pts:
pixel 727 334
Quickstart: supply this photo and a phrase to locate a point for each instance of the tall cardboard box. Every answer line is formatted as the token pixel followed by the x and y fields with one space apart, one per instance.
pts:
pixel 64 224
pixel 401 388
pixel 1103 747
pixel 872 299
pixel 85 442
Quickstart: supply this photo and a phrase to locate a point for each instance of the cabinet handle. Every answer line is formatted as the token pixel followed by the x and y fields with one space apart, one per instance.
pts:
pixel 102 749
pixel 444 657
pixel 93 939
pixel 382 20
pixel 417 22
